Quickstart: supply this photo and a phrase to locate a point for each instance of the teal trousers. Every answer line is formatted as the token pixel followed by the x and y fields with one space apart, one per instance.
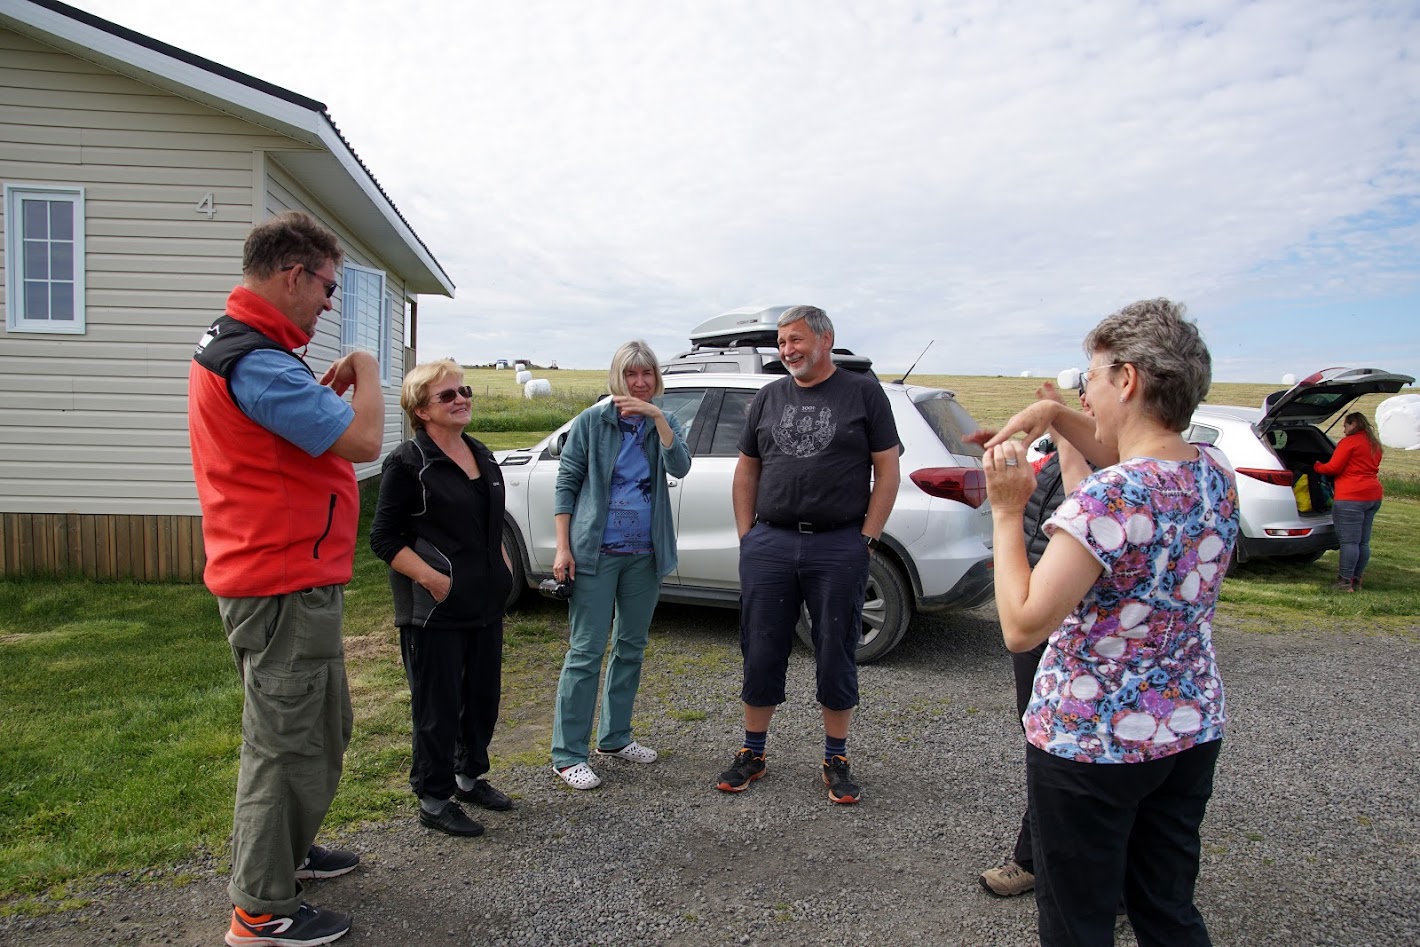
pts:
pixel 625 587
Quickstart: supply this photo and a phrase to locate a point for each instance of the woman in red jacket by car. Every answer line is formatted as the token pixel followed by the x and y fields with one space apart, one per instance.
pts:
pixel 1353 467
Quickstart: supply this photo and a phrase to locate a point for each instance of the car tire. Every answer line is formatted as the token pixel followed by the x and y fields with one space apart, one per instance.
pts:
pixel 887 612
pixel 520 575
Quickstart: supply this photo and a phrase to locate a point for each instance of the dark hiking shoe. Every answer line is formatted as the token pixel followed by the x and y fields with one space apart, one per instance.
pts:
pixel 746 768
pixel 841 788
pixel 308 926
pixel 484 796
pixel 322 862
pixel 451 821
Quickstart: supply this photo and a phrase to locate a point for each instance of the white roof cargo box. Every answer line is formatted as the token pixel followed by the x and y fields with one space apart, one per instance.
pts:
pixel 748 325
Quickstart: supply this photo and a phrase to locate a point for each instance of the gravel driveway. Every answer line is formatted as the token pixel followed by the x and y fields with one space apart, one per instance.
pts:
pixel 1312 836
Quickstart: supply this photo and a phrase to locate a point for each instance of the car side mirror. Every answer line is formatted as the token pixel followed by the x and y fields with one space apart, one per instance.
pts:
pixel 554 449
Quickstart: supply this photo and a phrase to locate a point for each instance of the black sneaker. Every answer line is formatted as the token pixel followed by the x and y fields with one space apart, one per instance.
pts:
pixel 746 769
pixel 322 862
pixel 451 821
pixel 484 795
pixel 308 926
pixel 841 788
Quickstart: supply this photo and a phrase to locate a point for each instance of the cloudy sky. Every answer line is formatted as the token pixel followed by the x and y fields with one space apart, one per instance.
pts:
pixel 996 176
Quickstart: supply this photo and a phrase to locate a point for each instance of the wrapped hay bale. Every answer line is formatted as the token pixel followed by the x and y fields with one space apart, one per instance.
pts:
pixel 537 388
pixel 1398 422
pixel 524 376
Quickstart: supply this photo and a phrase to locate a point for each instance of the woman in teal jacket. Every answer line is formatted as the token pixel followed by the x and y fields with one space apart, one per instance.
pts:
pixel 615 542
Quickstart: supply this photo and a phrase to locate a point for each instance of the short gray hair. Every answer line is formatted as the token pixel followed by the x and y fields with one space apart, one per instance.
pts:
pixel 1167 351
pixel 817 319
pixel 634 354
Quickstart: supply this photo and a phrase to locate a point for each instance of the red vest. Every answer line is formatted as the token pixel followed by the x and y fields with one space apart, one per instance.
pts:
pixel 274 519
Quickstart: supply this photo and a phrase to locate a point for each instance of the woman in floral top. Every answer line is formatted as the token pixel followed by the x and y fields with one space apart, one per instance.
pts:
pixel 1127 716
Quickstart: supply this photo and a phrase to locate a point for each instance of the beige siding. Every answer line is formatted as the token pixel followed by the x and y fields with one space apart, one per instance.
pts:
pixel 96 423
pixel 284 194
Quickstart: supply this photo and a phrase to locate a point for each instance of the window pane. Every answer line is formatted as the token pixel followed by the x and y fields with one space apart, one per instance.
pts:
pixel 733 412
pixel 61 302
pixel 36 259
pixel 683 404
pixel 36 300
pixel 61 220
pixel 61 260
pixel 36 219
pixel 363 315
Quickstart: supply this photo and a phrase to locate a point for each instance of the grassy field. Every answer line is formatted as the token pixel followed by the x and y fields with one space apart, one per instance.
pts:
pixel 121 705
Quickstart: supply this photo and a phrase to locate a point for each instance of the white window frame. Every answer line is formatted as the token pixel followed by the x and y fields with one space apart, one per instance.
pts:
pixel 16 318
pixel 354 307
pixel 397 310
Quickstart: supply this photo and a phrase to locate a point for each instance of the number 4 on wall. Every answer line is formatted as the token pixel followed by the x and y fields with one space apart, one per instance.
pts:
pixel 207 206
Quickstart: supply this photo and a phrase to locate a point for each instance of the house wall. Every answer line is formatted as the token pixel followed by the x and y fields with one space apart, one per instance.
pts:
pixel 95 425
pixel 283 194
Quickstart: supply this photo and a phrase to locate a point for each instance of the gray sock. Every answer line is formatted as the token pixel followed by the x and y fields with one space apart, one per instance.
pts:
pixel 433 806
pixel 465 782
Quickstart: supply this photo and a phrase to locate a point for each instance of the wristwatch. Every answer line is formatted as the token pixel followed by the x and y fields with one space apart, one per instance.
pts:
pixel 870 542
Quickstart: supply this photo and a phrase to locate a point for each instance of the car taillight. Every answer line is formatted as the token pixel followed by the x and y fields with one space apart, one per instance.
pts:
pixel 963 484
pixel 1280 478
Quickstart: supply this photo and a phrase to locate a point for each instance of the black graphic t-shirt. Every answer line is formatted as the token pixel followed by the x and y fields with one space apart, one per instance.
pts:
pixel 815 446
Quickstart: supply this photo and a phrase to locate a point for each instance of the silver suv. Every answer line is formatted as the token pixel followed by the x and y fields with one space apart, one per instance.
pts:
pixel 1273 446
pixel 936 549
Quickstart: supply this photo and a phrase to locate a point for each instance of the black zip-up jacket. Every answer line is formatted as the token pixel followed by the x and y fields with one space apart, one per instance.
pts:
pixel 427 503
pixel 1049 492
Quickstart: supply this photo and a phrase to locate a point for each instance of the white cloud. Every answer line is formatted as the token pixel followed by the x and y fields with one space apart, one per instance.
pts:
pixel 997 176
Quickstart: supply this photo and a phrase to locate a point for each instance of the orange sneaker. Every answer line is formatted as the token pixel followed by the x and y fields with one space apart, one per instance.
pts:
pixel 308 926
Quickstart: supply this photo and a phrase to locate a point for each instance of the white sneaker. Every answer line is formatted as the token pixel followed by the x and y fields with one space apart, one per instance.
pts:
pixel 632 751
pixel 579 776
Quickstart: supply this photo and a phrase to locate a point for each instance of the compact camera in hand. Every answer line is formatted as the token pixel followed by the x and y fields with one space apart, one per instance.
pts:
pixel 562 590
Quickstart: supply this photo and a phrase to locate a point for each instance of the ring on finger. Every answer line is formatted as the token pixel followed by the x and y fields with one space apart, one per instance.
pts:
pixel 1011 462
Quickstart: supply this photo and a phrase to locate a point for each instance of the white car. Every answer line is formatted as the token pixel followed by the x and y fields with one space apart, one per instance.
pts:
pixel 936 548
pixel 1272 446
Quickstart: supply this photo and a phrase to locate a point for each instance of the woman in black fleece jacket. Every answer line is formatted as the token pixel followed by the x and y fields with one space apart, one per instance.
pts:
pixel 439 525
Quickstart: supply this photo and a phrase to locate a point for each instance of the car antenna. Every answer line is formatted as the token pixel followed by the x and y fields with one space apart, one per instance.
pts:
pixel 903 379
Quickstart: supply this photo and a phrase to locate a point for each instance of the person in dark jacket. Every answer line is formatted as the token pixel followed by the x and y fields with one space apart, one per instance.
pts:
pixel 439 525
pixel 1017 874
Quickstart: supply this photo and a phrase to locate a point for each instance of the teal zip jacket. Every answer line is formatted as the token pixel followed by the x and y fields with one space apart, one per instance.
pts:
pixel 584 484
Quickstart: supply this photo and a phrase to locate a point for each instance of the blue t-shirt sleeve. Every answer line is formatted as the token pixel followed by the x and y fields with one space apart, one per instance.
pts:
pixel 276 391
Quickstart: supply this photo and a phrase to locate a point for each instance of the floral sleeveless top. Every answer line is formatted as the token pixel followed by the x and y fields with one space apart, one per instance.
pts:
pixel 1130 675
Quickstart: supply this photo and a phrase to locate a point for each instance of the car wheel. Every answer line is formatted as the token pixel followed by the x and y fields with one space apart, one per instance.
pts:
pixel 520 575
pixel 886 612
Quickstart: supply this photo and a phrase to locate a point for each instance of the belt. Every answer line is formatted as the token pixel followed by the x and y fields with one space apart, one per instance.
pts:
pixel 804 526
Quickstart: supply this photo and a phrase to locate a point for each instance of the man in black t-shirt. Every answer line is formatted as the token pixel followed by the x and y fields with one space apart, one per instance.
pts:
pixel 816 480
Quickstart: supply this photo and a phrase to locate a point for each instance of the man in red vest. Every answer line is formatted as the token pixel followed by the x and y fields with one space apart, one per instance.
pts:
pixel 272 449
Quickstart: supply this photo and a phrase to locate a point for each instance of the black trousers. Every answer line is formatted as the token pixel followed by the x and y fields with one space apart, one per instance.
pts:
pixel 1106 829
pixel 1023 667
pixel 455 681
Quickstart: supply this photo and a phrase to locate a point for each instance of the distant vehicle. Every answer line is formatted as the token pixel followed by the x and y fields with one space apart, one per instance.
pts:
pixel 1272 446
pixel 936 549
pixel 501 363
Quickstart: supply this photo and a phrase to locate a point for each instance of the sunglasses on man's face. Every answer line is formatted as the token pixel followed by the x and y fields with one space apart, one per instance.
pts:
pixel 444 397
pixel 330 287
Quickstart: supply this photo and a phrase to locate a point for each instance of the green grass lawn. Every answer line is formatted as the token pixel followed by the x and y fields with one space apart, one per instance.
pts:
pixel 122 708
